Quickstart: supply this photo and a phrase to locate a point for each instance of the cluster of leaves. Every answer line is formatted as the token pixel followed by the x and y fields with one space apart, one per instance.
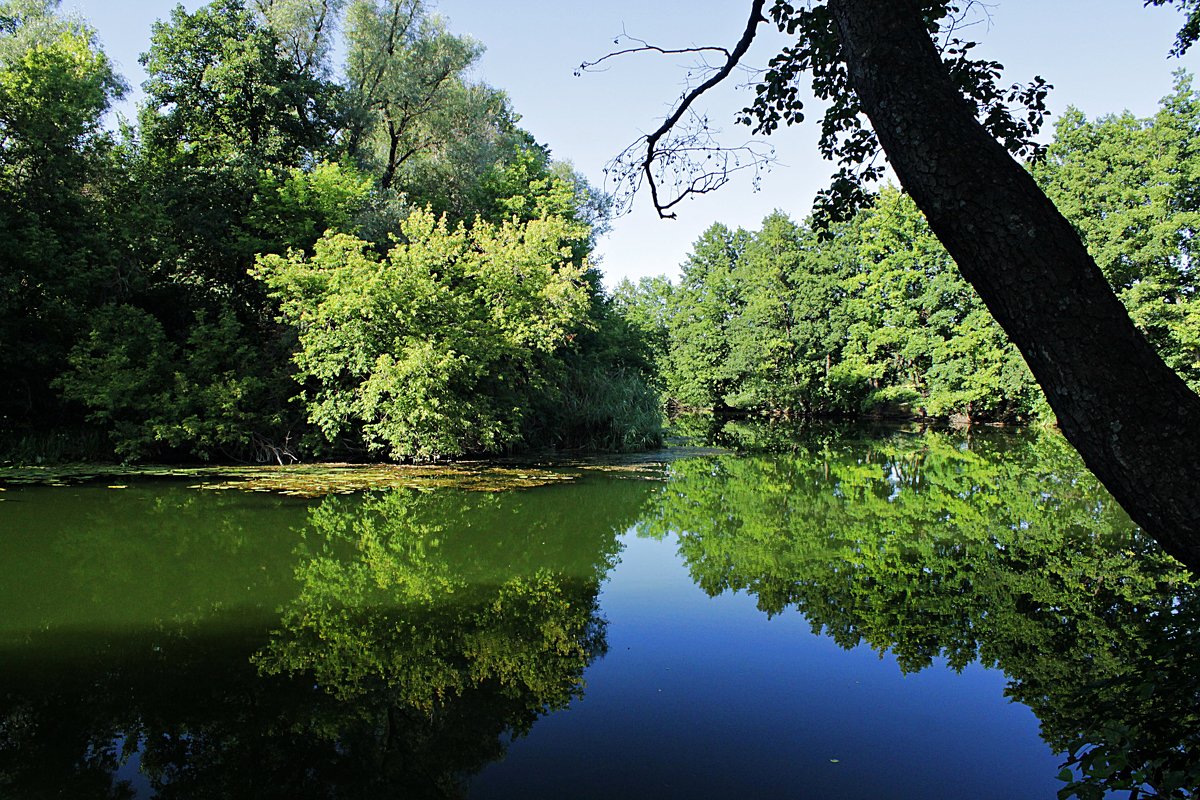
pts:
pixel 55 84
pixel 435 349
pixel 869 313
pixel 1013 114
pixel 1129 186
pixel 149 391
pixel 132 300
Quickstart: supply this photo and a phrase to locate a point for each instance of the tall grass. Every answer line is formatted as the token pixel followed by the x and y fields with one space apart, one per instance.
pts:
pixel 594 408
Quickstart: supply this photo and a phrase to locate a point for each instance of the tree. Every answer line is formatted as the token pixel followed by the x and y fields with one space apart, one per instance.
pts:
pixel 864 315
pixel 224 107
pixel 646 307
pixel 304 28
pixel 403 71
pixel 435 350
pixel 918 332
pixel 702 309
pixel 1134 421
pixel 1130 187
pixel 764 351
pixel 55 85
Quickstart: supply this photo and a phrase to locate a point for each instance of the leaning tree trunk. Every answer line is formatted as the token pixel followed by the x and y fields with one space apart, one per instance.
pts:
pixel 1134 421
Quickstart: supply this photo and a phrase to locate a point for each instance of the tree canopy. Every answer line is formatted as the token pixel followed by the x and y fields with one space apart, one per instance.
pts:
pixel 187 284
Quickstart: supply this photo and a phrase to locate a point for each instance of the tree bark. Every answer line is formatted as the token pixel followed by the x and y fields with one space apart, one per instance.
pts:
pixel 1136 423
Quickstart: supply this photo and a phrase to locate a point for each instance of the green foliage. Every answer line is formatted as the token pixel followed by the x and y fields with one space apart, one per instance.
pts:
pixel 403 70
pixel 698 373
pixel 130 291
pixel 226 112
pixel 207 395
pixel 645 308
pixel 786 339
pixel 221 92
pixel 604 392
pixel 432 137
pixel 55 85
pixel 919 333
pixel 601 397
pixel 1129 187
pixel 433 350
pixel 294 209
pixel 869 315
pixel 1012 114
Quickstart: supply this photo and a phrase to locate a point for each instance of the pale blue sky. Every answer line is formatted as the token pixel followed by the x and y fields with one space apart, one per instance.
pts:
pixel 1102 56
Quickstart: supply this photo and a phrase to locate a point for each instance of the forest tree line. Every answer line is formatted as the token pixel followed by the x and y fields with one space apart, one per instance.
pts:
pixel 870 315
pixel 286 256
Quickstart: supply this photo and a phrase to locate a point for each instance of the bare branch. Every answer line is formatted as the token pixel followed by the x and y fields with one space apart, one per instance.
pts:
pixel 689 152
pixel 645 47
pixel 972 13
pixel 690 158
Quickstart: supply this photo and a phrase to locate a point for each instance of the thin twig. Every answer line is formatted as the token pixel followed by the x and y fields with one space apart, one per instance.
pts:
pixel 645 47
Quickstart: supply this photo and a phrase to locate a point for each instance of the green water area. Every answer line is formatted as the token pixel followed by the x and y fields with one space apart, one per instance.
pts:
pixel 840 614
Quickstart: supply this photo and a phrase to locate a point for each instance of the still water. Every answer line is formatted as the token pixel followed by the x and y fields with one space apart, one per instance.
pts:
pixel 838 615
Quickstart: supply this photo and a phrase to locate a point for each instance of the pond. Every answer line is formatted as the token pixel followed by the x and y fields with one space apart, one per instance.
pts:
pixel 841 614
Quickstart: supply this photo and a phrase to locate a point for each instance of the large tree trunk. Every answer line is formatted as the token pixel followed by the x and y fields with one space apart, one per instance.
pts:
pixel 1136 423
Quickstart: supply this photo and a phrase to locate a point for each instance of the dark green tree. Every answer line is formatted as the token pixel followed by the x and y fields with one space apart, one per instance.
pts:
pixel 919 334
pixel 55 172
pixel 787 340
pixel 224 108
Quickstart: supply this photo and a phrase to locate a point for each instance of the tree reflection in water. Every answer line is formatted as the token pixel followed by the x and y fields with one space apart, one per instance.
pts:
pixel 392 644
pixel 1000 549
pixel 426 632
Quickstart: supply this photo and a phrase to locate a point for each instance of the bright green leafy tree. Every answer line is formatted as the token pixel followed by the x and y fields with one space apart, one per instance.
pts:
pixel 433 350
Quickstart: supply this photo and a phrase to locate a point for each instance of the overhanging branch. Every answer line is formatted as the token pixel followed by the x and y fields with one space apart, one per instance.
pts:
pixel 700 164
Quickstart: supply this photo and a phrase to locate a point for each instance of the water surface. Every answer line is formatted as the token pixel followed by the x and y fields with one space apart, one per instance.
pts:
pixel 905 615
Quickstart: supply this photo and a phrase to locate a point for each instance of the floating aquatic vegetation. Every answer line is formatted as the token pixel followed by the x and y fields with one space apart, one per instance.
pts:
pixel 322 479
pixel 316 480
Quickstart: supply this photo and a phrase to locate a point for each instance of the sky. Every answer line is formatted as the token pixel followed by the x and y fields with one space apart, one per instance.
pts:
pixel 1102 56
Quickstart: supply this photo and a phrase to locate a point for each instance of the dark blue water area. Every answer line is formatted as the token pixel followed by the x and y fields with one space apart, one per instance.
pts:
pixel 704 696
